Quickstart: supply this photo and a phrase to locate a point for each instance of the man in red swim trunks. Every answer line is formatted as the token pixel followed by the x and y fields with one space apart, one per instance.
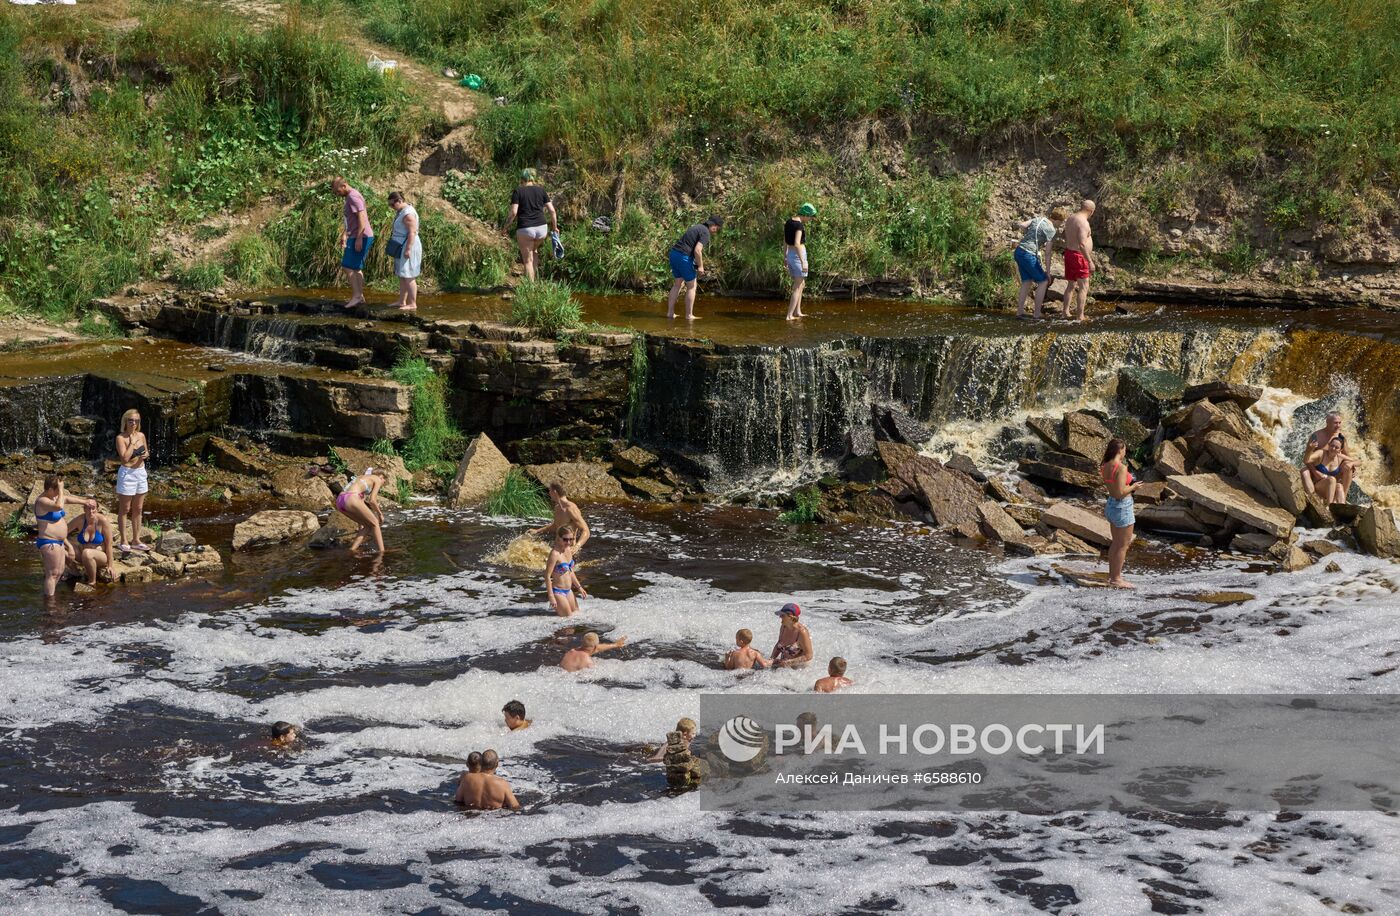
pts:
pixel 1079 257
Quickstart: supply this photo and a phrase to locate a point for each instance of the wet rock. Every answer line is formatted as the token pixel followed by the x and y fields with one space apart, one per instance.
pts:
pixel 1225 496
pixel 1047 430
pixel 1085 435
pixel 337 531
pixel 894 424
pixel 998 490
pixel 548 450
pixel 1130 430
pixel 1079 522
pixel 9 493
pixel 1316 513
pixel 173 542
pixel 997 525
pixel 634 461
pixel 273 526
pixel 950 496
pixel 647 488
pixel 1205 418
pixel 1253 542
pixel 582 480
pixel 231 457
pixel 1294 559
pixel 1258 470
pixel 1083 577
pixel 1172 516
pixel 1320 548
pixel 1333 567
pixel 1025 516
pixel 202 561
pixel 683 769
pixel 1148 394
pixel 480 473
pixel 1341 513
pixel 961 462
pixel 1032 493
pixel 1377 532
pixel 129 573
pixel 1064 542
pixel 82 588
pixel 862 468
pixel 167 567
pixel 1062 468
pixel 1244 396
pixel 297 491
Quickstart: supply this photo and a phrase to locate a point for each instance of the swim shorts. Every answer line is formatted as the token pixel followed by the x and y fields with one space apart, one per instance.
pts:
pixel 131 481
pixel 1076 266
pixel 355 260
pixel 682 266
pixel 1028 263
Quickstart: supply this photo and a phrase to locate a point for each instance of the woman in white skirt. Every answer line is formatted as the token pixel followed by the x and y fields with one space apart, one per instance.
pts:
pixel 131 480
pixel 406 248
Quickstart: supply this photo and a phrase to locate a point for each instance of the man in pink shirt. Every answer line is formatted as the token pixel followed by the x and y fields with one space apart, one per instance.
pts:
pixel 356 237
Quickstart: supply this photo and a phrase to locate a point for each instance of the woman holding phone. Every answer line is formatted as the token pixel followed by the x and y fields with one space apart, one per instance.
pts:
pixel 131 480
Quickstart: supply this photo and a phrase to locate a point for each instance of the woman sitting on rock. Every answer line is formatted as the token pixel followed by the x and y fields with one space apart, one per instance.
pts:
pixel 359 502
pixel 560 580
pixel 92 536
pixel 1326 465
pixel 1119 508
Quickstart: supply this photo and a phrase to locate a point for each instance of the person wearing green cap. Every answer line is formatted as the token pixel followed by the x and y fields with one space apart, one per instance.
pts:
pixel 534 216
pixel 795 254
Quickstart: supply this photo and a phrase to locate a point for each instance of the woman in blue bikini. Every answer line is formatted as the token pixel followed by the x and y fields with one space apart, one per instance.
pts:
pixel 93 534
pixel 1327 463
pixel 560 580
pixel 52 542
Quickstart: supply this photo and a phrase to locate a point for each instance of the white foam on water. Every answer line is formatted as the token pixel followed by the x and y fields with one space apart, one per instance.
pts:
pixel 397 705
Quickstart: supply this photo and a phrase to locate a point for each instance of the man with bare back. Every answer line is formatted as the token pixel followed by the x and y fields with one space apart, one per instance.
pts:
pixel 1079 258
pixel 566 513
pixel 488 792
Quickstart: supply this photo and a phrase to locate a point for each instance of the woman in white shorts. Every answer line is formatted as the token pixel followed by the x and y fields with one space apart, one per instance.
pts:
pixel 131 480
pixel 534 216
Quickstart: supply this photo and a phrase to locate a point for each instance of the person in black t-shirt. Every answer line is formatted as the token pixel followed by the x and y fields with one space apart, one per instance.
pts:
pixel 688 262
pixel 533 213
pixel 795 256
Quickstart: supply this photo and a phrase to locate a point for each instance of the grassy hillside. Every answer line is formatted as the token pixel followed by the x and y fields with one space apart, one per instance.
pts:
pixel 123 124
pixel 656 116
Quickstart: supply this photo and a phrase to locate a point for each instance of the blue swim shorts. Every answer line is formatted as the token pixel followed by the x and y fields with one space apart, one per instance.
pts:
pixel 682 266
pixel 1119 512
pixel 1032 271
pixel 355 260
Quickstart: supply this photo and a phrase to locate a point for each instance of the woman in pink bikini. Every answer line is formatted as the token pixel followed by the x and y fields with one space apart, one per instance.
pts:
pixel 359 502
pixel 1119 508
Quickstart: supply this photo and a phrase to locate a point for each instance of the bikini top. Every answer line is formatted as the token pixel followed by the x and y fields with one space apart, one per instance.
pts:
pixel 1114 470
pixel 566 566
pixel 54 516
pixel 97 537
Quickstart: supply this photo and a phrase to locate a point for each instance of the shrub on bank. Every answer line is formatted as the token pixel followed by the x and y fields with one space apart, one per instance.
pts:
pixel 545 306
pixel 518 497
pixel 432 437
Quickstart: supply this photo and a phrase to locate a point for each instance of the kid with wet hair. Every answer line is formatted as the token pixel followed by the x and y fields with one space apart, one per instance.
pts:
pixel 282 734
pixel 582 657
pixel 835 677
pixel 514 713
pixel 743 657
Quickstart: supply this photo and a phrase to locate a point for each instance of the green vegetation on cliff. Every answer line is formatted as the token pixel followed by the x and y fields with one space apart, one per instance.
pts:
pixel 872 110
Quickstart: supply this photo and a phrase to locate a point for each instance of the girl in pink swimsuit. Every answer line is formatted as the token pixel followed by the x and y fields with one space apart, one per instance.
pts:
pixel 359 502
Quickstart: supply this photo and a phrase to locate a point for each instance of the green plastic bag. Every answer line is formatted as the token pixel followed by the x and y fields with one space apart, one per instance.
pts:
pixel 471 81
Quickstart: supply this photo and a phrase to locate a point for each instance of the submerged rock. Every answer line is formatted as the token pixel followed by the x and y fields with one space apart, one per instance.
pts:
pixel 480 473
pixel 272 526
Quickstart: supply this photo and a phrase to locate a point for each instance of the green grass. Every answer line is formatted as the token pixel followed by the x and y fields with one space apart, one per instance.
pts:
pixel 864 107
pixel 13 529
pixel 194 111
pixel 200 275
pixel 95 324
pixel 383 447
pixel 431 433
pixel 403 491
pixel 636 379
pixel 804 511
pixel 545 306
pixel 518 497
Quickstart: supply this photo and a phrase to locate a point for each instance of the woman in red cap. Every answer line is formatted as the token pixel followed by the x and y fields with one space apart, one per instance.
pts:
pixel 794 646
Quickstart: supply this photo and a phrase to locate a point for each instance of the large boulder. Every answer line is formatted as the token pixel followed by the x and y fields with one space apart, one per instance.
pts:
pixel 480 473
pixel 998 525
pixel 1063 468
pixel 273 526
pixel 298 491
pixel 173 542
pixel 1130 430
pixel 951 496
pixel 10 493
pixel 1085 435
pixel 1047 430
pixel 1148 393
pixel 1172 516
pixel 1244 396
pixel 1170 457
pixel 1233 500
pixel 1259 470
pixel 1378 533
pixel 634 461
pixel 231 457
pixel 1083 524
pixel 582 480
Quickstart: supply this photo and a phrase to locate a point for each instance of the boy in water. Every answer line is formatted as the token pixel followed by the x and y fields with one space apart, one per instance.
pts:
pixel 494 792
pixel 282 734
pixel 470 786
pixel 744 657
pixel 514 713
pixel 582 657
pixel 835 677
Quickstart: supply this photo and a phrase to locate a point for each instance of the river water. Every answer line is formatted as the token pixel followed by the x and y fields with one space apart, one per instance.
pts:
pixel 132 776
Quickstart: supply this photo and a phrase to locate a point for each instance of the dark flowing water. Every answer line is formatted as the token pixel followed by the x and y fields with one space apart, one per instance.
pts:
pixel 132 776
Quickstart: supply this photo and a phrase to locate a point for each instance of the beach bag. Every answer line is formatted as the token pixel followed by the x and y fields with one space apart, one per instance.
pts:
pixel 394 249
